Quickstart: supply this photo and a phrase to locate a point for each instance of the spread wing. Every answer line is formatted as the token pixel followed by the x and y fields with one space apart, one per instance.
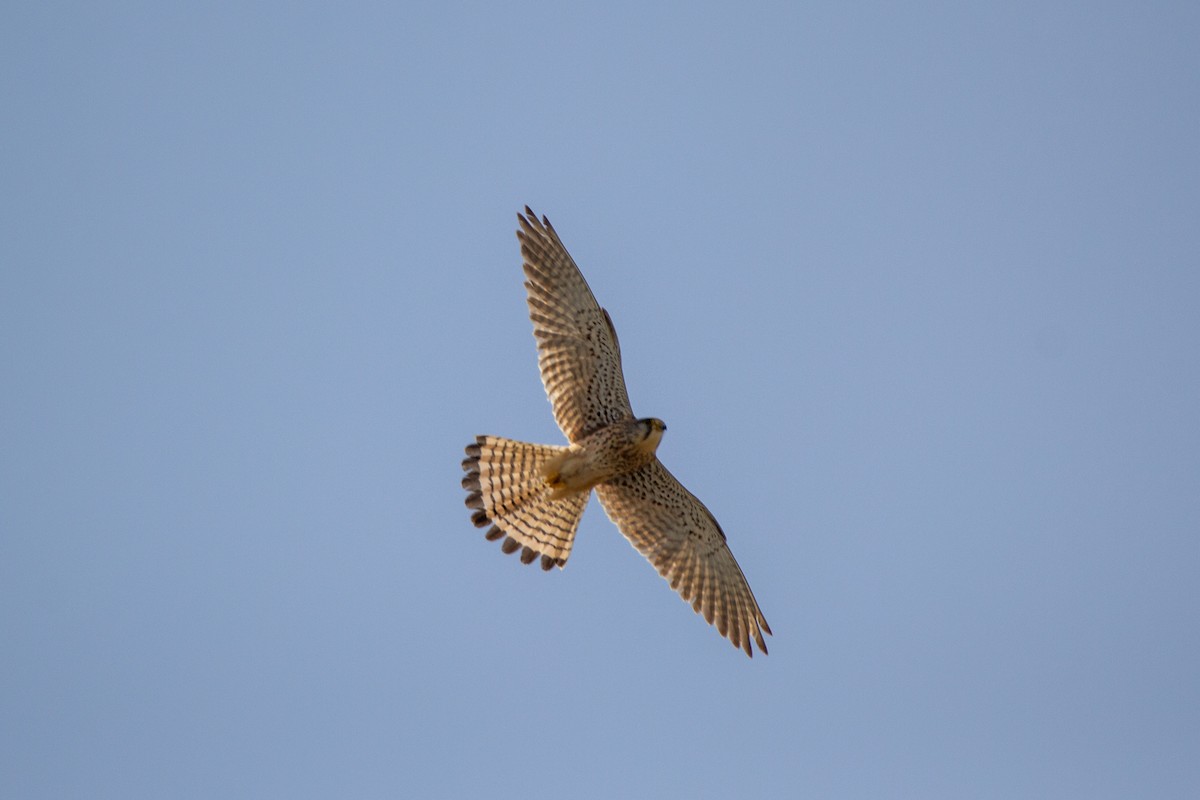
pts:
pixel 678 535
pixel 578 353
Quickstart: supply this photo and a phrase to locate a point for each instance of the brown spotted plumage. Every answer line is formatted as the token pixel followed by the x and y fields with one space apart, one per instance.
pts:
pixel 532 496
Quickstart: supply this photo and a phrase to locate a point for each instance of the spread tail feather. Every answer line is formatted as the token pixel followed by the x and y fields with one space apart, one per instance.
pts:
pixel 508 491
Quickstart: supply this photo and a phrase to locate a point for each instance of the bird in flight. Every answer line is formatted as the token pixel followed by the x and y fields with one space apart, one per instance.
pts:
pixel 532 496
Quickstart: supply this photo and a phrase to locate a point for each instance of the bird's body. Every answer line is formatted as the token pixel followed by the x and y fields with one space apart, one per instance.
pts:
pixel 614 450
pixel 533 496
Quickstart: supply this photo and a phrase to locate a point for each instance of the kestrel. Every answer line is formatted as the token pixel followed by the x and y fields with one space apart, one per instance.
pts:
pixel 533 495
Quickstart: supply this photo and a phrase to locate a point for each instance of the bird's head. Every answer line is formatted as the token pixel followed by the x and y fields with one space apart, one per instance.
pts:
pixel 651 429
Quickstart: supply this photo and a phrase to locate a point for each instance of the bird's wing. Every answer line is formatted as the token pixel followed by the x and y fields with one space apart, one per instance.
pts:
pixel 678 535
pixel 578 353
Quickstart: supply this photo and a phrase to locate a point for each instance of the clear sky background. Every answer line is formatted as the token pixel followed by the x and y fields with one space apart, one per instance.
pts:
pixel 916 288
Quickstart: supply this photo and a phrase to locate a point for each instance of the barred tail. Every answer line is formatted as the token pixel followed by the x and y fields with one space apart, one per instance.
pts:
pixel 508 491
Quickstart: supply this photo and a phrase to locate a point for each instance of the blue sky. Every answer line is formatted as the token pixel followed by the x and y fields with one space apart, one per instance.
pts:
pixel 915 288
